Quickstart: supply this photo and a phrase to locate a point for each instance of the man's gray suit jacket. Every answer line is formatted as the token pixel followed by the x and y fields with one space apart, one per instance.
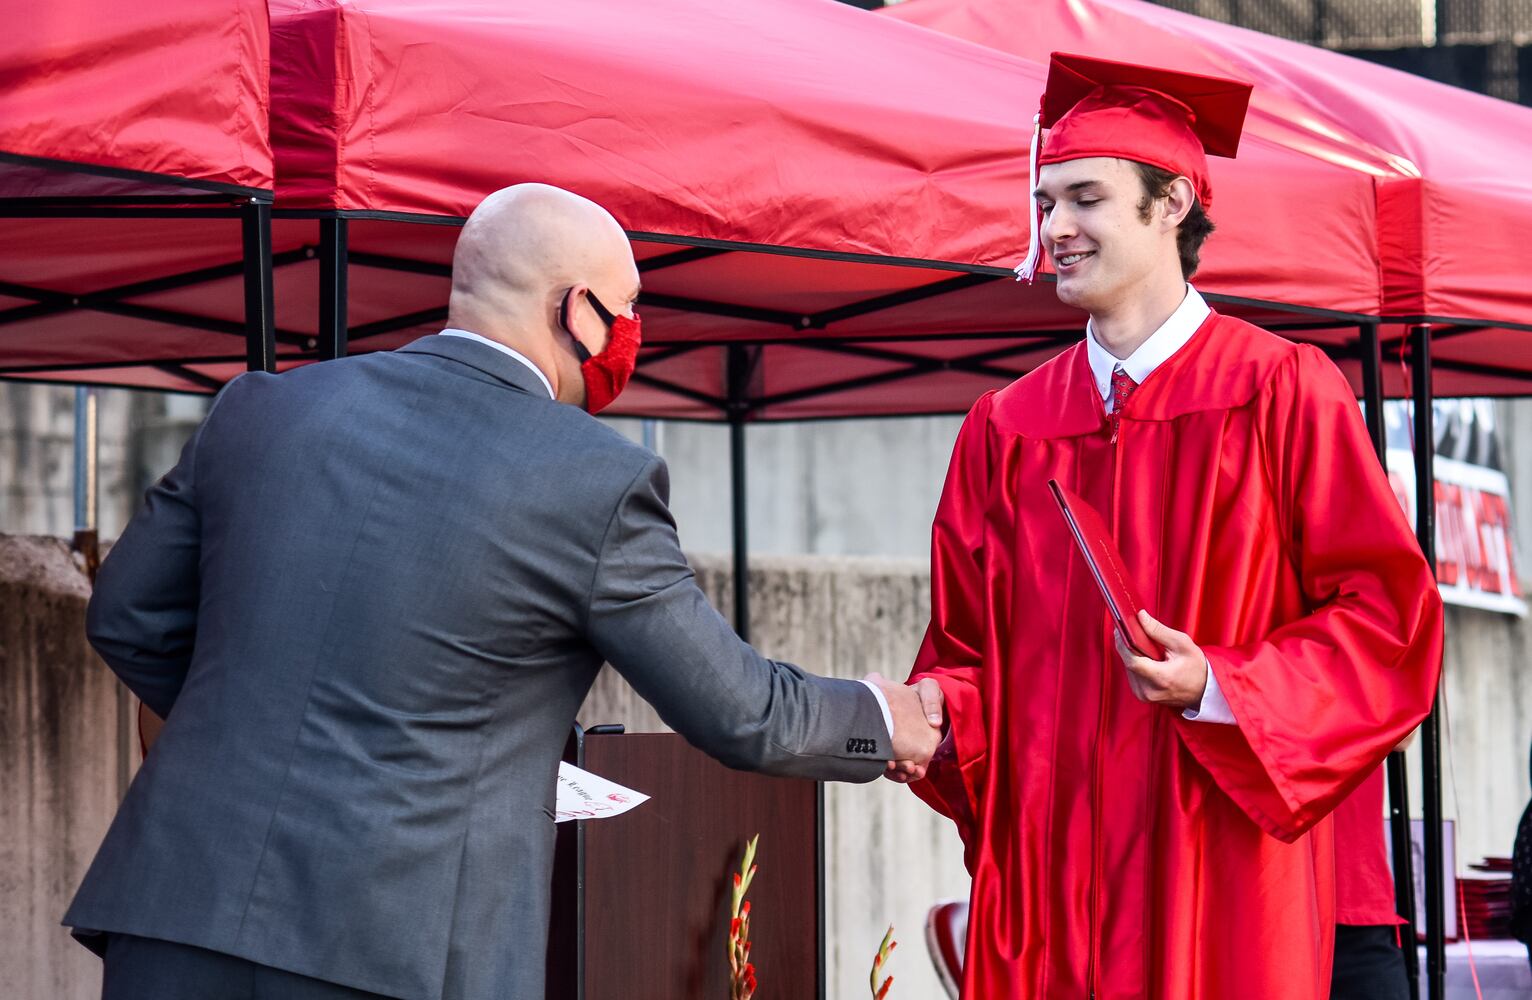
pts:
pixel 369 601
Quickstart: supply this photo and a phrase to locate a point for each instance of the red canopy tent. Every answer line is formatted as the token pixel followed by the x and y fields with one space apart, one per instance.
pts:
pixel 832 203
pixel 1452 213
pixel 119 126
pixel 838 182
pixel 111 99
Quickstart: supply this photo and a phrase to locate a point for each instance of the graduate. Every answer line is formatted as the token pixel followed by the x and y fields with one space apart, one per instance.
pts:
pixel 1141 827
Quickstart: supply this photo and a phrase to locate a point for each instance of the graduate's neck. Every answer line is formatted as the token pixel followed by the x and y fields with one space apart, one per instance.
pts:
pixel 1124 326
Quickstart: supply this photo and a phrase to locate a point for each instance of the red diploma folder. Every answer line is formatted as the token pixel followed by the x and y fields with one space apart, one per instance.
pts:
pixel 1096 545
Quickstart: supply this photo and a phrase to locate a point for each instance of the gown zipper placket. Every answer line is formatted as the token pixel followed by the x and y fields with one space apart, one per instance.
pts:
pixel 1092 971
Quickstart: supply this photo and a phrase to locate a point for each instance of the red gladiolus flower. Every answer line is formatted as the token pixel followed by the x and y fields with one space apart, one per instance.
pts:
pixel 884 949
pixel 741 971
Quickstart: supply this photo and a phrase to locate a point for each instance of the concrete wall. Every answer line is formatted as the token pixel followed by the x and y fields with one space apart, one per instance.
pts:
pixel 1515 428
pixel 63 767
pixel 37 459
pixel 141 434
pixel 855 487
pixel 1487 732
pixel 836 488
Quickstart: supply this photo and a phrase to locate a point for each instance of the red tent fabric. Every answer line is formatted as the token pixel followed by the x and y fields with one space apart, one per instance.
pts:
pixel 1454 210
pixel 1455 245
pixel 843 181
pixel 109 112
pixel 842 194
pixel 801 124
pixel 176 88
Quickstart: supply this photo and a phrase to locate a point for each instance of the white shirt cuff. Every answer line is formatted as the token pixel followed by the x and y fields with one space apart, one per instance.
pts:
pixel 1214 707
pixel 888 717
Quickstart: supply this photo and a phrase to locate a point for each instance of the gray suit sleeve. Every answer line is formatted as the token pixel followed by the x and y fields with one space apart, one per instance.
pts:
pixel 652 623
pixel 142 616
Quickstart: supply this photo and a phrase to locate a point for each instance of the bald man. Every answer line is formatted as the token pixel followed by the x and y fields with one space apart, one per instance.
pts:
pixel 368 603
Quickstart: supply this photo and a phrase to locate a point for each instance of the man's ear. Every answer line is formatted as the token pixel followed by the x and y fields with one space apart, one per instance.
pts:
pixel 567 311
pixel 1179 198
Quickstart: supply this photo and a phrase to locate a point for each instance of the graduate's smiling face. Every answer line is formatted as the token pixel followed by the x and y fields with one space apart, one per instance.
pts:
pixel 1094 228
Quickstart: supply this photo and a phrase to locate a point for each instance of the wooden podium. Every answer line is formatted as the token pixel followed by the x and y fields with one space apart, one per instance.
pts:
pixel 641 900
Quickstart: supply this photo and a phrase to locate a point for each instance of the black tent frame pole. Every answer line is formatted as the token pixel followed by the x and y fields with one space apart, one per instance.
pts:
pixel 260 322
pixel 334 264
pixel 1397 776
pixel 738 376
pixel 1431 731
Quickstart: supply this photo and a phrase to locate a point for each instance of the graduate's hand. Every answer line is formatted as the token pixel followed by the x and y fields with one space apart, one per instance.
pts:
pixel 1177 681
pixel 918 716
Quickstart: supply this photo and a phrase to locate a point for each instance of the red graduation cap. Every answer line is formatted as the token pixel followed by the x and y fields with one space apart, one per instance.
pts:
pixel 1170 120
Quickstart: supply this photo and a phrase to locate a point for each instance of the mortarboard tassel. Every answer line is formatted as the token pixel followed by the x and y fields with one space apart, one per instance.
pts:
pixel 1027 269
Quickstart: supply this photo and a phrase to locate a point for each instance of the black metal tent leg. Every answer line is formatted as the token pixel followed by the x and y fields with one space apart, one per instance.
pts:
pixel 738 379
pixel 1431 731
pixel 333 266
pixel 260 324
pixel 1398 780
pixel 741 540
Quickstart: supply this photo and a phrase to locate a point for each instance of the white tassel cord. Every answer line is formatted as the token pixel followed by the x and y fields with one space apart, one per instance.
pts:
pixel 1027 269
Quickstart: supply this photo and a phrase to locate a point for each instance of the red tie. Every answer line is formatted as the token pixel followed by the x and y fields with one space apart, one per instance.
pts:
pixel 1122 387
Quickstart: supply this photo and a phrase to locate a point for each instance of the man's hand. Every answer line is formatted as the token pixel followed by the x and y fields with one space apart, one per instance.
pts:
pixel 918 718
pixel 1177 681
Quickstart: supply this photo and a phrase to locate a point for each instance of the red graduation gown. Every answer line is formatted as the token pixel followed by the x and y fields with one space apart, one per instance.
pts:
pixel 1364 882
pixel 1117 849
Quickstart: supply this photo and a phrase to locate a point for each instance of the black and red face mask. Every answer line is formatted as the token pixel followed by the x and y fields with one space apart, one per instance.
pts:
pixel 605 374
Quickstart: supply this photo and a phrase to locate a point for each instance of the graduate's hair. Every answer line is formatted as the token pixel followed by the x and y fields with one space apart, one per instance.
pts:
pixel 1194 229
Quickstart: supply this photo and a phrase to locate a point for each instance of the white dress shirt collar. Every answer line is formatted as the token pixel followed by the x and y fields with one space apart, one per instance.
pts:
pixel 506 350
pixel 1162 343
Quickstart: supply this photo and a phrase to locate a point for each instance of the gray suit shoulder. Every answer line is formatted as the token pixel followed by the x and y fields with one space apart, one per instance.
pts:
pixel 624 460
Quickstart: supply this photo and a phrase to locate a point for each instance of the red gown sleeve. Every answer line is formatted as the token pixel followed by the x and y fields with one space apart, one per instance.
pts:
pixel 953 649
pixel 1322 699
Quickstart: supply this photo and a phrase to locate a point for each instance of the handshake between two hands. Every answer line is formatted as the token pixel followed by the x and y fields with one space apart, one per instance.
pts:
pixel 919 717
pixel 1179 681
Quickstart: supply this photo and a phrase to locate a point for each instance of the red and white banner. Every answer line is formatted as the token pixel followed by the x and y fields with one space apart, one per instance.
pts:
pixel 1475 551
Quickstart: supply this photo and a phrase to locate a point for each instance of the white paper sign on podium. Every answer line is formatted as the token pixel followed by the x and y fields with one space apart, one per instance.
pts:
pixel 583 795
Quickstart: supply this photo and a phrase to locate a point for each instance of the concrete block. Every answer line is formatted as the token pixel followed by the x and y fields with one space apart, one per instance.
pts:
pixel 61 766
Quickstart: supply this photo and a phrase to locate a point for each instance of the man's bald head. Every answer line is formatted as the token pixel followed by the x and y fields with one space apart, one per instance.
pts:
pixel 519 255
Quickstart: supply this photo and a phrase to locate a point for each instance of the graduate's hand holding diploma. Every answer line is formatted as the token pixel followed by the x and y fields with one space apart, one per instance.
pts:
pixel 1179 680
